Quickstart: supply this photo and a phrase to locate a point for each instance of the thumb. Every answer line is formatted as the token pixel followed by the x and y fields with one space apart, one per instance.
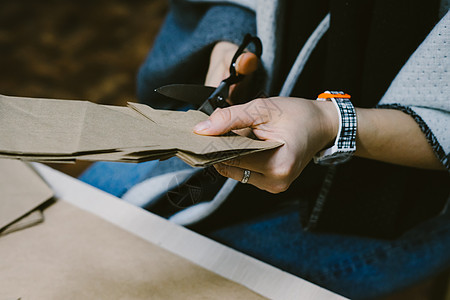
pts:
pixel 224 120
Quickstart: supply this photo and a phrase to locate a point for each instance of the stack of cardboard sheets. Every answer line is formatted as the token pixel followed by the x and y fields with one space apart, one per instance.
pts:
pixel 76 255
pixel 51 130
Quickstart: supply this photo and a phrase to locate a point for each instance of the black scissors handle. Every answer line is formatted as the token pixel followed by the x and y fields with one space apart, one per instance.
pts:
pixel 234 76
pixel 219 96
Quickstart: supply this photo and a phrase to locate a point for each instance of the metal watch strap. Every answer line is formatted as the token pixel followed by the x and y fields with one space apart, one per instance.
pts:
pixel 345 143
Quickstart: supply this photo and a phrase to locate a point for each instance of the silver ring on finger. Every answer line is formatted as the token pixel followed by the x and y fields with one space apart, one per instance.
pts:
pixel 246 176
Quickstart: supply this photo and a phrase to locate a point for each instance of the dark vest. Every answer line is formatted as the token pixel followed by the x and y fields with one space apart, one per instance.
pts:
pixel 366 46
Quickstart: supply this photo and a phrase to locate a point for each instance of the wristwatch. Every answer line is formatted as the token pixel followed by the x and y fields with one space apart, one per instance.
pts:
pixel 345 144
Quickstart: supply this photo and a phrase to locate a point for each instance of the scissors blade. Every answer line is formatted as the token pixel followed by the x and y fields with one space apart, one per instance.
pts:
pixel 191 93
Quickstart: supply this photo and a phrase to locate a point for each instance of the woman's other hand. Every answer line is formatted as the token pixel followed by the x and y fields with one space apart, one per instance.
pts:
pixel 219 69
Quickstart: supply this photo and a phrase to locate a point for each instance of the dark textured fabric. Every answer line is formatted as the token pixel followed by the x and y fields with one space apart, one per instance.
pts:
pixel 302 18
pixel 366 46
pixel 370 198
pixel 356 267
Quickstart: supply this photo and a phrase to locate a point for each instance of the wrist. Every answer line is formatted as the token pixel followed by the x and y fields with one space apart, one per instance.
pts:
pixel 329 123
pixel 344 145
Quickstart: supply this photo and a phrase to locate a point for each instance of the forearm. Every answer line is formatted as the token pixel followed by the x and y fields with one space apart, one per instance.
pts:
pixel 393 136
pixel 386 135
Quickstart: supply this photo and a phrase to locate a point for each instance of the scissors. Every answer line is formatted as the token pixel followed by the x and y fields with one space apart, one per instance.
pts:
pixel 215 97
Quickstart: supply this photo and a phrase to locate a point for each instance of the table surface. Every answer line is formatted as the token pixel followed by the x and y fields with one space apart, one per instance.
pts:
pixel 258 276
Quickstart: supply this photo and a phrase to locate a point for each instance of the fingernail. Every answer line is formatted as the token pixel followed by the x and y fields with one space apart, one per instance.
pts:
pixel 202 126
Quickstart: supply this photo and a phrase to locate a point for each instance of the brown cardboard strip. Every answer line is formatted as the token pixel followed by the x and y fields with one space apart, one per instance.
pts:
pixel 33 218
pixel 21 191
pixel 76 255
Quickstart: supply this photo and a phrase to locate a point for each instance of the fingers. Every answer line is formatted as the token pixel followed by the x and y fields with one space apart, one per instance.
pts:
pixel 259 180
pixel 235 173
pixel 220 59
pixel 253 161
pixel 246 63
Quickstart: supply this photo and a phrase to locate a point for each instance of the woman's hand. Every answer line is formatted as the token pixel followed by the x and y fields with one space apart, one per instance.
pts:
pixel 219 68
pixel 305 127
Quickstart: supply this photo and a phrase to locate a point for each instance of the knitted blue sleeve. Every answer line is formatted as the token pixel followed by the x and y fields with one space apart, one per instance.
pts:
pixel 182 49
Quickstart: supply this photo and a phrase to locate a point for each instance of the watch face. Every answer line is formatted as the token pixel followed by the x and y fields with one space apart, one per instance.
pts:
pixel 335 159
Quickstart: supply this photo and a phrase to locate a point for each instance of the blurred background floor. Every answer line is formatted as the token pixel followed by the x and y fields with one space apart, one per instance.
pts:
pixel 89 50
